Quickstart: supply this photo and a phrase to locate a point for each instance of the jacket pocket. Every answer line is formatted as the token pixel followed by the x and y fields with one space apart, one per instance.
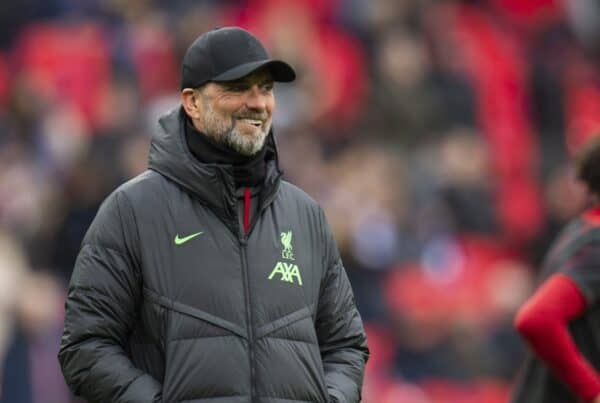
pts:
pixel 191 312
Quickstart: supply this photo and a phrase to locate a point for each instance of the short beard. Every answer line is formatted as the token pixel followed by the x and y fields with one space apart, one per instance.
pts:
pixel 223 133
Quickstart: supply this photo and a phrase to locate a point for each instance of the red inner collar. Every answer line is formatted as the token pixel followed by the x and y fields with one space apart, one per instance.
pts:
pixel 593 215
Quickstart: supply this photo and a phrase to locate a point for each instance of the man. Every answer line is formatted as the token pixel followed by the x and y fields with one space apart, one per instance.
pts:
pixel 561 321
pixel 208 278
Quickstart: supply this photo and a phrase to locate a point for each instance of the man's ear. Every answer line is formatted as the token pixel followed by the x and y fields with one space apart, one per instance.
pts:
pixel 191 104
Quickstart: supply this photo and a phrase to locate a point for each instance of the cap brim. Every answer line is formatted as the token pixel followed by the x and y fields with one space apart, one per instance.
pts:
pixel 280 71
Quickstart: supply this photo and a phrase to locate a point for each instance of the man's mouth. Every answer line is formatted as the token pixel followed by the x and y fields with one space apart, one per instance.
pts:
pixel 253 122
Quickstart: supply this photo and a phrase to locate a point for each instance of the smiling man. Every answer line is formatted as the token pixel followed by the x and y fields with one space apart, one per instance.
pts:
pixel 208 277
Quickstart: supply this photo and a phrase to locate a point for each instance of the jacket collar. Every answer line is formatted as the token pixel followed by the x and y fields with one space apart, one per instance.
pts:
pixel 212 184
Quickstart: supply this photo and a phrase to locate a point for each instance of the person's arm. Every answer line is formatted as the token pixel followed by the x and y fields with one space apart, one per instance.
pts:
pixel 100 310
pixel 340 332
pixel 543 321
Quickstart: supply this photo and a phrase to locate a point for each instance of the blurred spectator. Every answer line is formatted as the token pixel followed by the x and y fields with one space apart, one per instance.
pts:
pixel 34 374
pixel 411 101
pixel 13 269
pixel 464 169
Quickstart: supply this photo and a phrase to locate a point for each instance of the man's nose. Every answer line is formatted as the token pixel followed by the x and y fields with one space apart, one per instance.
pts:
pixel 256 99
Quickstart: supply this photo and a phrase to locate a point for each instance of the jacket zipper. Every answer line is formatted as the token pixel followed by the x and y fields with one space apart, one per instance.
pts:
pixel 243 243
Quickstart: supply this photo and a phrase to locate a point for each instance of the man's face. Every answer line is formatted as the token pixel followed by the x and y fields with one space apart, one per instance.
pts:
pixel 238 113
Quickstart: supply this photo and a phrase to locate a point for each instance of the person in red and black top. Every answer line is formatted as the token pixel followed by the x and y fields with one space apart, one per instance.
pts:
pixel 561 321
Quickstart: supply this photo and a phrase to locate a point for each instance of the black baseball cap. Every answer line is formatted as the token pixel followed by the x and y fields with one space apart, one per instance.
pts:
pixel 226 54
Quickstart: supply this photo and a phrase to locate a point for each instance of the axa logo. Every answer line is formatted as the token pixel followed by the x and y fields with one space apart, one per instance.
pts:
pixel 289 272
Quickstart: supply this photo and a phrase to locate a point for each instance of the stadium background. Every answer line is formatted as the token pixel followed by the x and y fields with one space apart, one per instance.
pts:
pixel 436 134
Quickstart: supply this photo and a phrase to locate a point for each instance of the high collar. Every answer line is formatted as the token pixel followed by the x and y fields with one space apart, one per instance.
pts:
pixel 248 171
pixel 213 184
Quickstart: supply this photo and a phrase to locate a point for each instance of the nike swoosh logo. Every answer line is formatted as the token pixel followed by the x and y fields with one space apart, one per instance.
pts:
pixel 180 241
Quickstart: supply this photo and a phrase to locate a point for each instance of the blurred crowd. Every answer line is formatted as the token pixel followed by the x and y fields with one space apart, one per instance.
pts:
pixel 436 134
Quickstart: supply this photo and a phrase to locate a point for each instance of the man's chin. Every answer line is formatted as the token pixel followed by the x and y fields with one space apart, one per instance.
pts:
pixel 247 143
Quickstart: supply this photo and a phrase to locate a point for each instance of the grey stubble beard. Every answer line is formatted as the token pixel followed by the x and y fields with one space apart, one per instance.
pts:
pixel 228 135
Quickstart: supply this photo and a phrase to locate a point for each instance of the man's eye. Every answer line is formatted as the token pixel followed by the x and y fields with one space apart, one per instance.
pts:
pixel 267 87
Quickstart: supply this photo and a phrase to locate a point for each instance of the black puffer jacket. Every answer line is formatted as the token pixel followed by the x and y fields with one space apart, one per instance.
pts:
pixel 170 302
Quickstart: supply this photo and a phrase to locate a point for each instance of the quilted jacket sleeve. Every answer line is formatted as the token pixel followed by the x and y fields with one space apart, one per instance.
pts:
pixel 342 339
pixel 100 310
